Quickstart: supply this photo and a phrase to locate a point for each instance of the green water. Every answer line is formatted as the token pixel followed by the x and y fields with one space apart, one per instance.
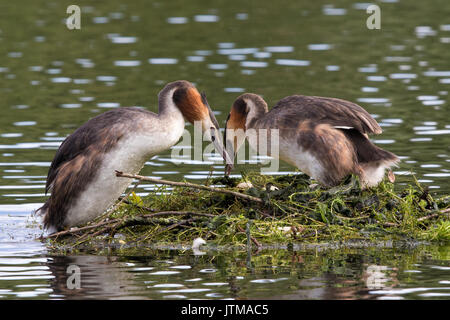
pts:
pixel 53 79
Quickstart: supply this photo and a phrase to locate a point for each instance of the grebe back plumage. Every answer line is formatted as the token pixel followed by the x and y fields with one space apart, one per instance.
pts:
pixel 326 138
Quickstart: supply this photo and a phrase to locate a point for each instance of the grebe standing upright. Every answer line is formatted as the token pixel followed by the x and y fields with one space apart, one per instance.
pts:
pixel 326 138
pixel 82 176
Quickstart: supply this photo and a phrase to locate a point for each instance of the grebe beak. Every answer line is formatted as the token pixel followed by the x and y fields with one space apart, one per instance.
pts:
pixel 217 141
pixel 230 151
pixel 215 134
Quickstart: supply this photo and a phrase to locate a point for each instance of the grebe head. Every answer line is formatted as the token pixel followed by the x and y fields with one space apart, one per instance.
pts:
pixel 194 108
pixel 246 109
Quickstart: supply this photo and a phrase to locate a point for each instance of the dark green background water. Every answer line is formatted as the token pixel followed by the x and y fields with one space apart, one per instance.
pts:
pixel 53 79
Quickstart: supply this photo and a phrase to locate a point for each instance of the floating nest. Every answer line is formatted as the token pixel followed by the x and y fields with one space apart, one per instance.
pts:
pixel 265 210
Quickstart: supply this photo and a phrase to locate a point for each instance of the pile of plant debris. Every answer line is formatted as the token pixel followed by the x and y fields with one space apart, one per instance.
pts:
pixel 267 210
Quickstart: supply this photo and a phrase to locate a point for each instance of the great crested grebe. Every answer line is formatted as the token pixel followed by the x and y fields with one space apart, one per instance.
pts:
pixel 326 138
pixel 82 176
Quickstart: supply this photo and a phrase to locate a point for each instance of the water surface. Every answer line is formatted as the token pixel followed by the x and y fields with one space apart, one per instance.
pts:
pixel 52 80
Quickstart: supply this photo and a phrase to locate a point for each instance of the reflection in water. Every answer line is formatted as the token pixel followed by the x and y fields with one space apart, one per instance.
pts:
pixel 100 277
pixel 27 270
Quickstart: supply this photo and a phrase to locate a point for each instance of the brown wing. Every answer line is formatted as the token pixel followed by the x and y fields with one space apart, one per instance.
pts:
pixel 103 131
pixel 78 158
pixel 292 110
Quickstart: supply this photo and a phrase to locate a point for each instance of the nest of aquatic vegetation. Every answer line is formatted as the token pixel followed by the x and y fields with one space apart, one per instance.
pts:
pixel 274 209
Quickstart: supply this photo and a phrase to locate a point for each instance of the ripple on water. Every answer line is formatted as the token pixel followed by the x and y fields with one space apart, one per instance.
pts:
pixel 376 78
pixel 369 89
pixel 241 16
pixel 208 270
pixel 234 89
pixel 292 62
pixel 203 52
pixel 267 280
pixel 127 63
pixel 262 55
pixel 108 104
pixel 123 39
pixel 177 20
pixel 329 10
pixel 53 71
pixel 237 51
pixel 32 68
pixel 100 20
pixel 373 100
pixel 424 31
pixel 106 78
pixel 319 47
pixel 168 285
pixel 433 102
pixel 332 68
pixel 195 58
pixel 164 273
pixel 11 135
pixel 163 61
pixel 206 18
pixel 403 76
pixel 217 66
pixel 279 49
pixel 61 80
pixel 24 123
pixel 82 81
pixel 433 73
pixel 70 105
pixel 254 64
pixel 181 267
pixel 433 132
